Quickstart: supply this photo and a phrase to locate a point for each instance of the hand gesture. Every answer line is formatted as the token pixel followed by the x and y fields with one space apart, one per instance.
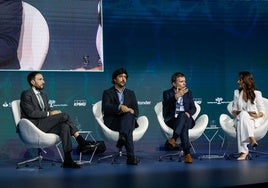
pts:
pixel 180 92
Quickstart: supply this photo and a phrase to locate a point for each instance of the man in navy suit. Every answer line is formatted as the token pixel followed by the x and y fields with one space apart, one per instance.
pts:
pixel 10 28
pixel 178 108
pixel 120 109
pixel 35 107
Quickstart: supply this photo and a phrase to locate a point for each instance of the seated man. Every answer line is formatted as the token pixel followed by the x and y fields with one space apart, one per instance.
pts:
pixel 178 108
pixel 120 109
pixel 35 107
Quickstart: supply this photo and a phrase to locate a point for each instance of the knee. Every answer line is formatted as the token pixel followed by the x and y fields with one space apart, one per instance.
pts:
pixel 64 116
pixel 65 127
pixel 244 114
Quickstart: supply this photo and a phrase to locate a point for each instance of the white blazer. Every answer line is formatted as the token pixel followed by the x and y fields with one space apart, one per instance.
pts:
pixel 239 104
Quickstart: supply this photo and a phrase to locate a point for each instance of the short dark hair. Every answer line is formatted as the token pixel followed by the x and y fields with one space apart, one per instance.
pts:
pixel 118 72
pixel 31 76
pixel 175 76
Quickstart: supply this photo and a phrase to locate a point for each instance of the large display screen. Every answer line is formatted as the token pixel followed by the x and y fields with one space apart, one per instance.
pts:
pixel 54 35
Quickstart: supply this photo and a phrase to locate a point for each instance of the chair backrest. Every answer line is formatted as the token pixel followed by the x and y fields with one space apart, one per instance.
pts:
pixel 29 133
pixel 265 119
pixel 15 105
pixel 194 133
pixel 227 122
pixel 112 136
pixel 34 39
pixel 97 110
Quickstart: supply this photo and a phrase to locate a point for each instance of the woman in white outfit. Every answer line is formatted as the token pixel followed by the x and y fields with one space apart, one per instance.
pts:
pixel 248 109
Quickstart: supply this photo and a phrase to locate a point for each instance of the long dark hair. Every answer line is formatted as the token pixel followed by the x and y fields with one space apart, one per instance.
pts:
pixel 248 85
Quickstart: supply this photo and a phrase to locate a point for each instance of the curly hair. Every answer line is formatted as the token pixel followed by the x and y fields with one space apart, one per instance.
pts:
pixel 118 72
pixel 248 85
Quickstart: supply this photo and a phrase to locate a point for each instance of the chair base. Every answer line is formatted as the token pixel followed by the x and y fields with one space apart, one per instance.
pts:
pixel 252 153
pixel 257 153
pixel 171 154
pixel 235 156
pixel 114 157
pixel 38 158
pixel 81 162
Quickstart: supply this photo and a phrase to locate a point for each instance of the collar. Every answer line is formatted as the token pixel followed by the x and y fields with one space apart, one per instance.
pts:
pixel 35 91
pixel 118 90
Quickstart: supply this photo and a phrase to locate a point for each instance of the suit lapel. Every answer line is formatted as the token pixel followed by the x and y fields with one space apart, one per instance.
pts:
pixel 115 96
pixel 36 100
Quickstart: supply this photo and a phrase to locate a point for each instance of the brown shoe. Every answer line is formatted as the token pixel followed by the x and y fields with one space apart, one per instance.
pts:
pixel 188 158
pixel 172 142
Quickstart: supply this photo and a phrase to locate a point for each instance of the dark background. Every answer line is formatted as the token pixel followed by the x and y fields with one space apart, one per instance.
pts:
pixel 209 41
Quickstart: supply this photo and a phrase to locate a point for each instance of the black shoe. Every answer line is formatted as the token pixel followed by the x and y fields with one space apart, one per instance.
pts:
pixel 70 164
pixel 170 147
pixel 87 147
pixel 133 160
pixel 255 145
pixel 121 142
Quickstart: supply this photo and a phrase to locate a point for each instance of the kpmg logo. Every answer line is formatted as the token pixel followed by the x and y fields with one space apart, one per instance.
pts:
pixel 80 102
pixel 218 100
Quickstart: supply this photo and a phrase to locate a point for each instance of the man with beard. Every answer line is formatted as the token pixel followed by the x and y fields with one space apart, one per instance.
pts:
pixel 120 109
pixel 35 107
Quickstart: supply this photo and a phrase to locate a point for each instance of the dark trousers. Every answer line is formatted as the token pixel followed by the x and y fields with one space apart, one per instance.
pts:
pixel 181 125
pixel 61 125
pixel 125 124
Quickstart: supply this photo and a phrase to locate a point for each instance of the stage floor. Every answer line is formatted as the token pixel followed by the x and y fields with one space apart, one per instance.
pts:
pixel 214 172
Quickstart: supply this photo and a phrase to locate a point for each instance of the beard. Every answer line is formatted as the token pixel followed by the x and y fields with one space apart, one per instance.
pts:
pixel 121 84
pixel 39 88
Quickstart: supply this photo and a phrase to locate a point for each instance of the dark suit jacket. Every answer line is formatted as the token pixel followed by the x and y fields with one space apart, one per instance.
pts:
pixel 169 104
pixel 110 104
pixel 30 108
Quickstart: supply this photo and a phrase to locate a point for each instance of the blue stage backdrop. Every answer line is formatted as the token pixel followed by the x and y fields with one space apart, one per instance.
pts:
pixel 209 41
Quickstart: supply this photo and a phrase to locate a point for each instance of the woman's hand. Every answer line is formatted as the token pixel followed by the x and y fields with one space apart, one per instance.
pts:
pixel 235 112
pixel 255 115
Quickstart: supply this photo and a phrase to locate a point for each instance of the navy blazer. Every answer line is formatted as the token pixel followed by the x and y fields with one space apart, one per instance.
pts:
pixel 169 105
pixel 30 107
pixel 110 104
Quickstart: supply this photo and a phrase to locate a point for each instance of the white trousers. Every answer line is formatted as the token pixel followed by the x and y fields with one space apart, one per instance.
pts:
pixel 244 130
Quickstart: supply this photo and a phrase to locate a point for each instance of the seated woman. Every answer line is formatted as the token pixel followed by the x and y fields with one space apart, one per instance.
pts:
pixel 248 109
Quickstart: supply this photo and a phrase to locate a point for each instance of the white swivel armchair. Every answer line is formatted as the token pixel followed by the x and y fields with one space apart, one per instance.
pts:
pixel 227 125
pixel 34 39
pixel 112 136
pixel 200 125
pixel 33 137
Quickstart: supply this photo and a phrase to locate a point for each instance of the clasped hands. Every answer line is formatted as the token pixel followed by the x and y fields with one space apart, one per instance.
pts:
pixel 255 115
pixel 54 112
pixel 126 109
pixel 251 113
